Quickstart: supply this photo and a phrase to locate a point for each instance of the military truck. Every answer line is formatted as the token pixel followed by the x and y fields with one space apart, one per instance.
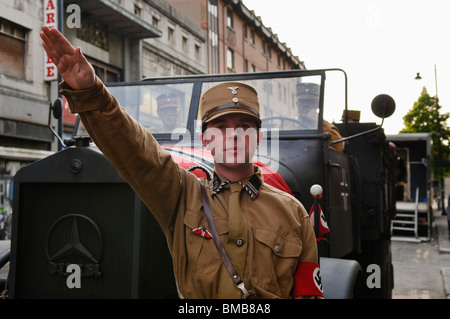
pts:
pixel 72 208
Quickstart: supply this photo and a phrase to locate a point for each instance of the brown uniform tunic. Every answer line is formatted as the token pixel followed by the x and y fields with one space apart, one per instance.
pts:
pixel 279 232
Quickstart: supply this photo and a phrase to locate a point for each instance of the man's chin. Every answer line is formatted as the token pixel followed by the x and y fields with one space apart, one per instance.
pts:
pixel 232 162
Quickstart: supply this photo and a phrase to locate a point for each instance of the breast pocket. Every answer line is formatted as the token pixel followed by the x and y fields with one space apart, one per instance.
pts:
pixel 276 258
pixel 202 251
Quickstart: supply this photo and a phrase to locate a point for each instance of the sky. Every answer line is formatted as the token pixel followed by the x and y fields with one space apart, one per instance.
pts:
pixel 381 45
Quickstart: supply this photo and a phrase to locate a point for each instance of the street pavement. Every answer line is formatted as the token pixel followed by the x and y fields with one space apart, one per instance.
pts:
pixel 422 269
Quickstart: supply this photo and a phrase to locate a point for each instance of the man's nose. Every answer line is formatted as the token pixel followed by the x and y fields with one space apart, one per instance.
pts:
pixel 231 133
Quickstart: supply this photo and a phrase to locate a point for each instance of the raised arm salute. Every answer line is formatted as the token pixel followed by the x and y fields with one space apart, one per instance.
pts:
pixel 71 63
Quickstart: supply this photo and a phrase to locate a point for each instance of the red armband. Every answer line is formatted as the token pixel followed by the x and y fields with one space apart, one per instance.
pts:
pixel 307 281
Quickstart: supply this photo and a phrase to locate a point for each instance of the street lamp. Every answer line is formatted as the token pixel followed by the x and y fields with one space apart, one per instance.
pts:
pixel 438 132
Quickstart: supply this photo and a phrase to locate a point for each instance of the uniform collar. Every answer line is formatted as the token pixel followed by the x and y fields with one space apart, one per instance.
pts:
pixel 251 184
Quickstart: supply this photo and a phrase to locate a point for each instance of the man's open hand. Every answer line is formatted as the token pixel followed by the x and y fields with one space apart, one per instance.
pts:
pixel 76 71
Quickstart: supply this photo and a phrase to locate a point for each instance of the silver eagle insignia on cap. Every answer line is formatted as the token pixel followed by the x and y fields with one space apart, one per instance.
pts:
pixel 233 89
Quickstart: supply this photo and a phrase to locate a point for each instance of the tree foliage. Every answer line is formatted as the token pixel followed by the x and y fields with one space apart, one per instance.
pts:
pixel 422 118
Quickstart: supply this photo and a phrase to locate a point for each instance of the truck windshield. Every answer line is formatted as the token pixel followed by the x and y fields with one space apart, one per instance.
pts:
pixel 289 103
pixel 159 108
pixel 285 103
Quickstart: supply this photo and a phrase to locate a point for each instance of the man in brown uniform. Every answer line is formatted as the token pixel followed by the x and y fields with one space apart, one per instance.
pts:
pixel 266 232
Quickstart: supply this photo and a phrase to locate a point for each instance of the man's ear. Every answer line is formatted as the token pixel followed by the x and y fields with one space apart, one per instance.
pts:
pixel 201 137
pixel 260 137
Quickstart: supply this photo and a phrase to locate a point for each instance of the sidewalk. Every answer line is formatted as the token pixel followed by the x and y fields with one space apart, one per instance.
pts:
pixel 422 268
pixel 444 247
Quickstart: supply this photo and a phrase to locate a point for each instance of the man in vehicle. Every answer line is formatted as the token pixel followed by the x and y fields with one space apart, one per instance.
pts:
pixel 307 105
pixel 168 108
pixel 266 232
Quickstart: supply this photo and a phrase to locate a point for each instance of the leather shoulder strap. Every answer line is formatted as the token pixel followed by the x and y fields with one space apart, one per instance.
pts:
pixel 215 235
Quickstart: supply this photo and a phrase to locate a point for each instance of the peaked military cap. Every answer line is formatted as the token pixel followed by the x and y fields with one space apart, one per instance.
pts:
pixel 227 98
pixel 308 91
pixel 167 100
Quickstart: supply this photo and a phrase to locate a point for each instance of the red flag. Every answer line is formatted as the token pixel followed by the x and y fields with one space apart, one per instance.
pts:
pixel 323 226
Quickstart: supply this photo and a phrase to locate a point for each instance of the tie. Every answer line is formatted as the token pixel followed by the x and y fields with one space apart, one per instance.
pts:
pixel 237 238
pixel 236 246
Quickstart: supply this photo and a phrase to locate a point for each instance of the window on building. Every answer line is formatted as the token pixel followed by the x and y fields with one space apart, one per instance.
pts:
pixel 230 18
pixel 170 35
pixel 184 44
pixel 197 51
pixel 253 68
pixel 245 31
pixel 12 49
pixel 155 22
pixel 106 73
pixel 269 52
pixel 245 66
pixel 94 33
pixel 213 36
pixel 137 10
pixel 252 37
pixel 230 59
pixel 263 45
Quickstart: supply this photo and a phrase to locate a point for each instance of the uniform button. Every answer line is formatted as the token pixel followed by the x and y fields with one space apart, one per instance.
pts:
pixel 239 242
pixel 277 249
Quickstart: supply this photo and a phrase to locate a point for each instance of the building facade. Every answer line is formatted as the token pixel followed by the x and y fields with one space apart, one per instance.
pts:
pixel 181 48
pixel 237 40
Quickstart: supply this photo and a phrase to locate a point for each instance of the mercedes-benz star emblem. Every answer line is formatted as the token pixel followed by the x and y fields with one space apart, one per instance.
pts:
pixel 58 251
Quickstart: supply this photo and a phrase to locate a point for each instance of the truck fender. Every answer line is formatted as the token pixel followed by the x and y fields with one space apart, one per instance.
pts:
pixel 339 277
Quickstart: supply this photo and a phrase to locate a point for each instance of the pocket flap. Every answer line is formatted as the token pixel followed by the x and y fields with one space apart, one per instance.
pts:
pixel 280 245
pixel 194 219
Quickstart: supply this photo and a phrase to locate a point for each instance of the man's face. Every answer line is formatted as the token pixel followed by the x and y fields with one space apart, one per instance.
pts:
pixel 232 139
pixel 307 108
pixel 169 116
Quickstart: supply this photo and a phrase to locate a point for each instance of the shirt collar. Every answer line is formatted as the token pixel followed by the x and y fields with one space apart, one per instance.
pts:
pixel 251 184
